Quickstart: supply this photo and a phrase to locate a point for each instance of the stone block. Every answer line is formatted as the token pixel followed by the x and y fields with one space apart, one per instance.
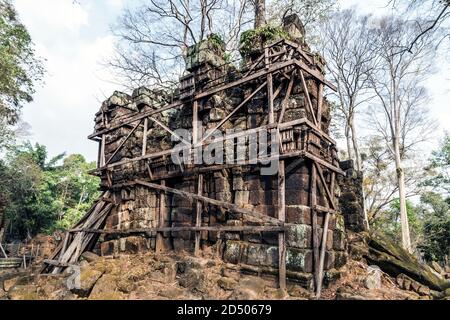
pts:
pixel 299 260
pixel 298 236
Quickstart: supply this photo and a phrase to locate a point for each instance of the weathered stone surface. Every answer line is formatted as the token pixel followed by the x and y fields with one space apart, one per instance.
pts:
pixel 227 283
pixel 24 292
pixel 193 279
pixel 88 278
pixel 373 279
pixel 394 260
pixel 90 256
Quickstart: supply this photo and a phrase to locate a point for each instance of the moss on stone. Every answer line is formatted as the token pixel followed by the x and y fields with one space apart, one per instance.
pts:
pixel 255 39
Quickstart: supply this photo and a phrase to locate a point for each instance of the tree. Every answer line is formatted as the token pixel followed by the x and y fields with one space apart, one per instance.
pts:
pixel 350 57
pixel 380 178
pixel 42 195
pixel 20 69
pixel 311 12
pixel 436 227
pixel 401 118
pixel 260 13
pixel 153 38
pixel 439 168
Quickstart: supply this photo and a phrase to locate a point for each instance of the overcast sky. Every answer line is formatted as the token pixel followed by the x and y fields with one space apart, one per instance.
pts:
pixel 74 39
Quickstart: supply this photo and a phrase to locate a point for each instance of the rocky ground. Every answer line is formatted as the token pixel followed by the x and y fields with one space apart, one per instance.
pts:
pixel 182 276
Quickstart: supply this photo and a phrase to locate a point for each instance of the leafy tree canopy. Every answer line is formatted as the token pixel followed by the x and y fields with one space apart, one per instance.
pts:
pixel 19 66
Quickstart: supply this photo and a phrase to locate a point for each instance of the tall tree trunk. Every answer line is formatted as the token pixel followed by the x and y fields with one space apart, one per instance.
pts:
pixel 355 144
pixel 348 138
pixel 406 240
pixel 358 162
pixel 260 13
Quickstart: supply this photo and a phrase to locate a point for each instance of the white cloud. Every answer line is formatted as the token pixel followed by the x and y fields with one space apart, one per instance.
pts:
pixel 56 15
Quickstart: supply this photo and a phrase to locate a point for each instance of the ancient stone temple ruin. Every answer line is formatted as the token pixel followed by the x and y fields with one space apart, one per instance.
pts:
pixel 256 180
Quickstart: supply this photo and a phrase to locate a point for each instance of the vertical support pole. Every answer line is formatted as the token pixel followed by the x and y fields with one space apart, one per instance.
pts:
pixel 198 218
pixel 102 151
pixel 162 214
pixel 319 105
pixel 3 251
pixel 322 255
pixel 269 87
pixel 144 138
pixel 315 238
pixel 282 217
pixel 195 122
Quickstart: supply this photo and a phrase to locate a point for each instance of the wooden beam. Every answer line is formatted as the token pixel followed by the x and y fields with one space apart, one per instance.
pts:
pixel 270 97
pixel 281 217
pixel 315 236
pixel 315 73
pixel 192 196
pixel 198 218
pixel 286 97
pixel 324 183
pixel 319 105
pixel 324 163
pixel 123 142
pixel 166 128
pixel 144 137
pixel 159 244
pixel 322 254
pixel 246 229
pixel 102 150
pixel 308 99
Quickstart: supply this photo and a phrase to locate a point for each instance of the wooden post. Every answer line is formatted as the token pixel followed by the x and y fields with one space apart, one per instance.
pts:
pixel 162 213
pixel 198 218
pixel 144 138
pixel 281 235
pixel 313 202
pixel 3 251
pixel 102 151
pixel 308 98
pixel 195 122
pixel 322 254
pixel 269 87
pixel 319 105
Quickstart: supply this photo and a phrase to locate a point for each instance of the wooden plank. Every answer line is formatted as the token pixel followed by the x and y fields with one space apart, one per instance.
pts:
pixel 249 229
pixel 161 215
pixel 123 142
pixel 192 196
pixel 315 73
pixel 270 97
pixel 325 186
pixel 57 263
pixel 324 209
pixel 281 217
pixel 319 105
pixel 322 255
pixel 102 156
pixel 166 128
pixel 286 97
pixel 144 137
pixel 198 218
pixel 3 251
pixel 308 99
pixel 315 238
pixel 324 163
